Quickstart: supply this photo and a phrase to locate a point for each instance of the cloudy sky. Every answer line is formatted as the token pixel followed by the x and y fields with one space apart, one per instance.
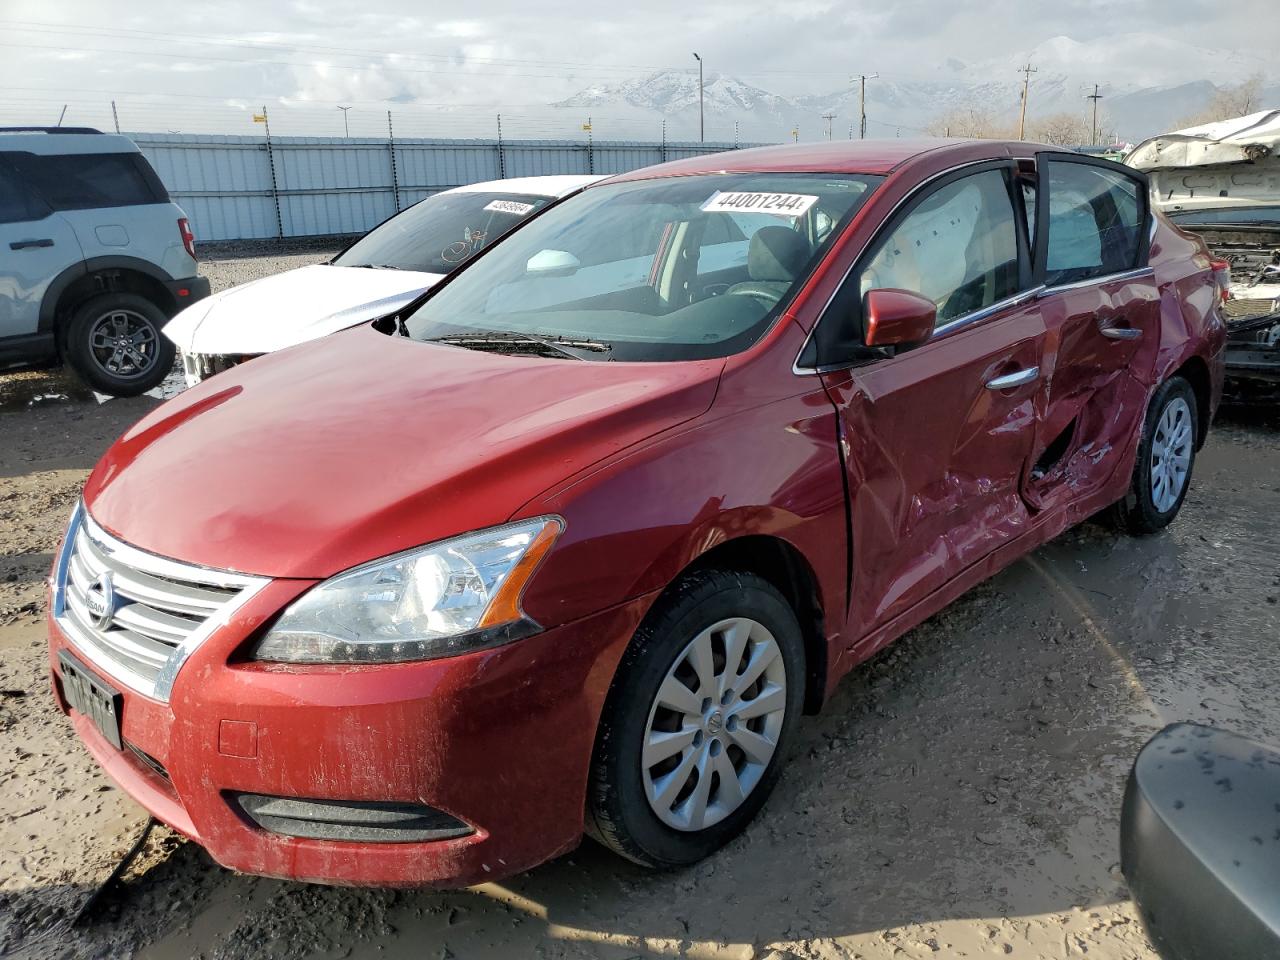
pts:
pixel 189 66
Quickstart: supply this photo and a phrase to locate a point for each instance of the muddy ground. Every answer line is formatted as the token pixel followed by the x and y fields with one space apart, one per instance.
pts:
pixel 959 797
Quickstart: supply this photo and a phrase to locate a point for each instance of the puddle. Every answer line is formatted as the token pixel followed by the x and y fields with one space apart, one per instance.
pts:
pixel 32 389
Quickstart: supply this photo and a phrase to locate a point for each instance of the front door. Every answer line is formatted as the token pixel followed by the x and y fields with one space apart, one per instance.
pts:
pixel 1101 307
pixel 938 438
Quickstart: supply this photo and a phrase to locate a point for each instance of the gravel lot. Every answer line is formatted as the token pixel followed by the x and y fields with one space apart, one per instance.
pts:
pixel 958 798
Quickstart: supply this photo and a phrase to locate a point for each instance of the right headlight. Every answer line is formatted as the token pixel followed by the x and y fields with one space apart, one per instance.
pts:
pixel 440 600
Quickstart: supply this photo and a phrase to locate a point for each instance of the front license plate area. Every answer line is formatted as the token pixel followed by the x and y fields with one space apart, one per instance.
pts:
pixel 91 697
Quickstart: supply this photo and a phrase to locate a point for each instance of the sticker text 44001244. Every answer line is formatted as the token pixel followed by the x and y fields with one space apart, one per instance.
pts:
pixel 777 204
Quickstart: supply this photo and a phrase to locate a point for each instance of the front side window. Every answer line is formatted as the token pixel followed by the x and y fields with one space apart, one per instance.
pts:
pixel 441 233
pixel 958 248
pixel 91 181
pixel 623 271
pixel 1094 222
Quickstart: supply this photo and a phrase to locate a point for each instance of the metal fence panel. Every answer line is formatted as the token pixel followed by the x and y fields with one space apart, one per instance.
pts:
pixel 236 188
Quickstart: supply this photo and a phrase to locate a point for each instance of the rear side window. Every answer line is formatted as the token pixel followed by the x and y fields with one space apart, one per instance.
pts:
pixel 958 247
pixel 1095 222
pixel 92 180
pixel 17 205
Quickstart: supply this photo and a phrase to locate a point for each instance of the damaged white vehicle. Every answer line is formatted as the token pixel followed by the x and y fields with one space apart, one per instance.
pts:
pixel 388 267
pixel 1222 181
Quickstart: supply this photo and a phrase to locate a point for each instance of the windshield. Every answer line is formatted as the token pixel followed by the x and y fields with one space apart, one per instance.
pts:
pixel 440 233
pixel 671 269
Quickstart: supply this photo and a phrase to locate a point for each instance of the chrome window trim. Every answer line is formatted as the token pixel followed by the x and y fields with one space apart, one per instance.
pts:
pixel 162 687
pixel 893 212
pixel 976 316
pixel 1137 273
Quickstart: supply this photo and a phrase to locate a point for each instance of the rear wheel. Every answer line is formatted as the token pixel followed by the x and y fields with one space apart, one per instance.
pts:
pixel 697 722
pixel 1166 455
pixel 114 342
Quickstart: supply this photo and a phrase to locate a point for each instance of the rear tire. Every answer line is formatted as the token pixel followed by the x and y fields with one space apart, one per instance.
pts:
pixel 114 344
pixel 1166 455
pixel 697 721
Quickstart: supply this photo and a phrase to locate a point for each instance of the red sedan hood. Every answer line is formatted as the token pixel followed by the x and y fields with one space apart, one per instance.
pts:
pixel 307 462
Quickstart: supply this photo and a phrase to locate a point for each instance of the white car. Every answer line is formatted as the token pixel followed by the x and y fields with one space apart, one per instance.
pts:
pixel 382 271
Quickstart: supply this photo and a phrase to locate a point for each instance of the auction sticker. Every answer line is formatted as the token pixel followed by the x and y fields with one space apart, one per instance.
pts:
pixel 509 206
pixel 777 204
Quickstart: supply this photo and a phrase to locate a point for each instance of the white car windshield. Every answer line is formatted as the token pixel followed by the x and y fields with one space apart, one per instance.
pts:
pixel 442 232
pixel 668 269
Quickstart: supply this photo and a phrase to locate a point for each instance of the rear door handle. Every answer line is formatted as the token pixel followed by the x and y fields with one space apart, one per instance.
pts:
pixel 25 244
pixel 1121 333
pixel 1015 379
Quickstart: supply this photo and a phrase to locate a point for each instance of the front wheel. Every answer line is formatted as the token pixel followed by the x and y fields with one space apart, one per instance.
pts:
pixel 1166 454
pixel 114 343
pixel 697 721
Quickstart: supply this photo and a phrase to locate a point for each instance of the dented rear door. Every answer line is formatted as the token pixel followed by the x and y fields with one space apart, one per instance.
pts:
pixel 1101 308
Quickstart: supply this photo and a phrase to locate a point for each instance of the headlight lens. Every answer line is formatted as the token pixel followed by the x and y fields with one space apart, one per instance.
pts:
pixel 436 601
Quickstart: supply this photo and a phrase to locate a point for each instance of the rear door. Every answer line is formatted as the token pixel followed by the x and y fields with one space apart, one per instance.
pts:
pixel 938 438
pixel 36 245
pixel 1101 308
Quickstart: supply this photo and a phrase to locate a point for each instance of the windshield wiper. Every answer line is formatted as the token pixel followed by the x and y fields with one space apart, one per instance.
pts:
pixel 375 266
pixel 572 348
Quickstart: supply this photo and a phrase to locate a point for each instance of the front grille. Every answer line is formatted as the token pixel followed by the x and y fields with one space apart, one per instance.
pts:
pixel 202 366
pixel 134 615
pixel 1247 309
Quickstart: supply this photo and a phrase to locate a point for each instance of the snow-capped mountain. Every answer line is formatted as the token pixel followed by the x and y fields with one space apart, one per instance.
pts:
pixel 1148 84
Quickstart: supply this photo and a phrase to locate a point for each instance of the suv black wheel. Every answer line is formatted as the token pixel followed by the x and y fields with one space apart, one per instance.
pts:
pixel 697 721
pixel 115 345
pixel 1166 454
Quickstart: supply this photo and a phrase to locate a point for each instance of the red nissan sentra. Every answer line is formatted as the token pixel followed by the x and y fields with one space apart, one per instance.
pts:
pixel 571 545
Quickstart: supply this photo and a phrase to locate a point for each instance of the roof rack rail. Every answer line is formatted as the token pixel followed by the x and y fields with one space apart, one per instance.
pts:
pixel 49 130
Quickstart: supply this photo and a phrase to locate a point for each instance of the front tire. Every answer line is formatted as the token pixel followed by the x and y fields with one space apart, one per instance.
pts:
pixel 697 722
pixel 1166 455
pixel 114 343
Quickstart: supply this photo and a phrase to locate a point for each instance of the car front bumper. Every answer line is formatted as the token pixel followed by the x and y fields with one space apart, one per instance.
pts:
pixel 500 740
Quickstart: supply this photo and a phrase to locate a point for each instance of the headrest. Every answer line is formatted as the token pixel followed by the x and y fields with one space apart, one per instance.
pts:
pixel 777 253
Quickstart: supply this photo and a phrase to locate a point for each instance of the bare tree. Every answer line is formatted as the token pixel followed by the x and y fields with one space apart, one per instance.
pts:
pixel 970 120
pixel 1062 129
pixel 1234 100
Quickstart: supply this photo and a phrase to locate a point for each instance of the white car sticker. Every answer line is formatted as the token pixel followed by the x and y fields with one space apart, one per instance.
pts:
pixel 778 204
pixel 509 206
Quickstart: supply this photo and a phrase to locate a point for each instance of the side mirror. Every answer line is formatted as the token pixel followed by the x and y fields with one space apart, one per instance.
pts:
pixel 556 263
pixel 1200 844
pixel 897 318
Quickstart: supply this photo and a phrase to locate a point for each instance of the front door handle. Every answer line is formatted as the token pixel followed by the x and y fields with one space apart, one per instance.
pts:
pixel 25 244
pixel 1120 333
pixel 1015 379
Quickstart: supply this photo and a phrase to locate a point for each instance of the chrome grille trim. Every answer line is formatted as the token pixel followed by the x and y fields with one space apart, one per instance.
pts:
pixel 164 610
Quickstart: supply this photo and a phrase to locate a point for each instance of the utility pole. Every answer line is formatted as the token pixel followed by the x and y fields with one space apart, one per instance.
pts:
pixel 1095 97
pixel 862 103
pixel 391 148
pixel 828 116
pixel 346 131
pixel 702 130
pixel 1026 72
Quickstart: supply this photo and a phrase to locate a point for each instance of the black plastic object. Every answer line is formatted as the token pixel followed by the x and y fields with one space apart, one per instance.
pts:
pixel 363 821
pixel 1200 844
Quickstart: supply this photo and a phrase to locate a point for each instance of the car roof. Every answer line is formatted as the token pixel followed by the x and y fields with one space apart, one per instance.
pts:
pixel 875 157
pixel 52 143
pixel 551 186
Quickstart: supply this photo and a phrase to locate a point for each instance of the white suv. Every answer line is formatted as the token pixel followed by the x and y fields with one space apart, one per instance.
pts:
pixel 388 267
pixel 94 257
